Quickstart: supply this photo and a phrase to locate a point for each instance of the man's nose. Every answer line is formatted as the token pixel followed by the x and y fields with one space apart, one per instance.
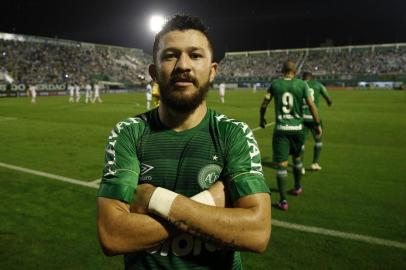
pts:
pixel 183 62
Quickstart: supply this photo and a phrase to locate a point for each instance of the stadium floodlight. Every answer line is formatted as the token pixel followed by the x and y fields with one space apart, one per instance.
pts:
pixel 156 22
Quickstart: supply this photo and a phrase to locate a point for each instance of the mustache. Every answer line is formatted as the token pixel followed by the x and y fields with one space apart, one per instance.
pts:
pixel 182 77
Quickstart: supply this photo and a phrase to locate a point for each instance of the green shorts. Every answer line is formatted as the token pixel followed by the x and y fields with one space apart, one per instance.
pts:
pixel 310 126
pixel 285 145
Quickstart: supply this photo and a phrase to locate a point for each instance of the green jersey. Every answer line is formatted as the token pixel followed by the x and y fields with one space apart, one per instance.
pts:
pixel 288 95
pixel 315 90
pixel 142 150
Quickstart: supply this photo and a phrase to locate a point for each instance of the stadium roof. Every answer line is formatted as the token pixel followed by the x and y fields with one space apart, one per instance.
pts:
pixel 235 25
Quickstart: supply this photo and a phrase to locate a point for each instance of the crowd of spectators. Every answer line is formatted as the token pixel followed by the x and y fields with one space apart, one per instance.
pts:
pixel 41 62
pixel 256 64
pixel 45 63
pixel 330 61
pixel 362 61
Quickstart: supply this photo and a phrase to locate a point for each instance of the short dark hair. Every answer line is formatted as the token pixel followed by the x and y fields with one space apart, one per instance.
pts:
pixel 307 75
pixel 288 66
pixel 182 23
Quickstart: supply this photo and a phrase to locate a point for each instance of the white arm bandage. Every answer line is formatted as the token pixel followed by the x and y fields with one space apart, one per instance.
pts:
pixel 162 199
pixel 204 197
pixel 161 202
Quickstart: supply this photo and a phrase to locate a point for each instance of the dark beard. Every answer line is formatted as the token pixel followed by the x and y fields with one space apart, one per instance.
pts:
pixel 181 103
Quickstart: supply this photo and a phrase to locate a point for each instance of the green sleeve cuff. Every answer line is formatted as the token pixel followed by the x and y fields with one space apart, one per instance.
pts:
pixel 119 192
pixel 245 184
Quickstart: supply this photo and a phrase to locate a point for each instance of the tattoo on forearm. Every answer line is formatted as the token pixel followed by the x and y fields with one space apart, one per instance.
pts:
pixel 184 226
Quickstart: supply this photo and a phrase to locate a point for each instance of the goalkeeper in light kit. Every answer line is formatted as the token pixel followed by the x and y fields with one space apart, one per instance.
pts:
pixel 183 186
pixel 316 90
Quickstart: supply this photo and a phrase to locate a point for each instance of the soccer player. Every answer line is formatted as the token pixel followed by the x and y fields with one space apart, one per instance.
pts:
pixel 155 94
pixel 315 90
pixel 148 95
pixel 32 89
pixel 77 92
pixel 88 93
pixel 288 93
pixel 222 91
pixel 71 89
pixel 96 94
pixel 254 87
pixel 200 194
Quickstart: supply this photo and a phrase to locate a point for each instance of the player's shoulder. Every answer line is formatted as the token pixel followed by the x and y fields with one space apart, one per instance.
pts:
pixel 298 81
pixel 316 85
pixel 314 82
pixel 133 126
pixel 300 84
pixel 277 81
pixel 229 127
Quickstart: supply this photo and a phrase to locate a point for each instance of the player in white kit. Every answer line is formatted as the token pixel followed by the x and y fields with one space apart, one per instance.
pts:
pixel 96 94
pixel 77 92
pixel 71 89
pixel 222 91
pixel 148 95
pixel 33 92
pixel 89 93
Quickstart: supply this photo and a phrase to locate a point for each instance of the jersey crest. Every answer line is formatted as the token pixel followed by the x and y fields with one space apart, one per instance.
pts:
pixel 208 175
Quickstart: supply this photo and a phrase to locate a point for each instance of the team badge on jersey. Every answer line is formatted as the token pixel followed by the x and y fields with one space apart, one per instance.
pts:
pixel 208 175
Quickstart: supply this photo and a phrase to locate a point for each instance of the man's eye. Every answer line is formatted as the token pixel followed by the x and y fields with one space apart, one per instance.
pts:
pixel 169 56
pixel 196 55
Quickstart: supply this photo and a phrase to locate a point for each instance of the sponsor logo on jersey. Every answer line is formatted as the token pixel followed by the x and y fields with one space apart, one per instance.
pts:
pixel 208 175
pixel 182 245
pixel 145 168
pixel 289 128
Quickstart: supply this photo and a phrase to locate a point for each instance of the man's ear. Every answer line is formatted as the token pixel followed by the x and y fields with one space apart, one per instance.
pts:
pixel 213 71
pixel 152 71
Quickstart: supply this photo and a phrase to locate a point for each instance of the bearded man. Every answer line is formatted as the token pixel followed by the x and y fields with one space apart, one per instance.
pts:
pixel 183 186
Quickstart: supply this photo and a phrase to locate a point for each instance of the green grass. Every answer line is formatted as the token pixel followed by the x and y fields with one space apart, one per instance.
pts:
pixel 47 224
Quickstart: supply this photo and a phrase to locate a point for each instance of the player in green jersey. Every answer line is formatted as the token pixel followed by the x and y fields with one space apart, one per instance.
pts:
pixel 316 90
pixel 288 93
pixel 183 186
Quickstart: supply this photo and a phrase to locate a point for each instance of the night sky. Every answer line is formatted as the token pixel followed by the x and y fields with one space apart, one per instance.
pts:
pixel 234 25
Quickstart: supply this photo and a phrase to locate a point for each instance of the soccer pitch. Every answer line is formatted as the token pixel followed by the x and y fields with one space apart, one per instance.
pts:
pixel 351 214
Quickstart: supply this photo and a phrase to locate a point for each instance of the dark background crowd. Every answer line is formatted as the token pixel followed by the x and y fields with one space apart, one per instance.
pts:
pixel 38 61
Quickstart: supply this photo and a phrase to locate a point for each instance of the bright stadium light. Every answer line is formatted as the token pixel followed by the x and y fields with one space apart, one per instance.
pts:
pixel 156 23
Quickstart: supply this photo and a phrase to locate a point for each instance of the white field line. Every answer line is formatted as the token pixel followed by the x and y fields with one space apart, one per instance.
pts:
pixel 4 118
pixel 267 125
pixel 277 223
pixel 97 181
pixel 351 236
pixel 49 175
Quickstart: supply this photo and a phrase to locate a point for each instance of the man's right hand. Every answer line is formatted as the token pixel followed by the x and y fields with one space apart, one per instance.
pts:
pixel 218 193
pixel 319 131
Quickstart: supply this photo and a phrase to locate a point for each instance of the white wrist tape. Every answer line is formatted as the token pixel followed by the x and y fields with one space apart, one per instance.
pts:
pixel 161 202
pixel 204 197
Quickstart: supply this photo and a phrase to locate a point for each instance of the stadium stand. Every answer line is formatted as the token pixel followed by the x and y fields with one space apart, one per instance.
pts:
pixel 47 61
pixel 349 63
pixel 40 60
